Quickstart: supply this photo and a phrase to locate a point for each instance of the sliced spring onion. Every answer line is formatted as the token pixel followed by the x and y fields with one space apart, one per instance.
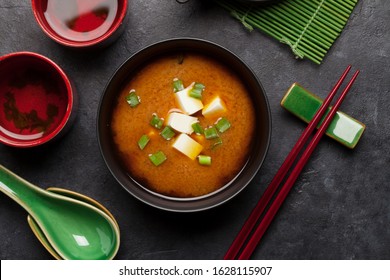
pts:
pixel 222 125
pixel 217 143
pixel 204 160
pixel 198 129
pixel 167 133
pixel 211 133
pixel 157 158
pixel 177 85
pixel 143 141
pixel 196 91
pixel 199 86
pixel 133 99
pixel 156 121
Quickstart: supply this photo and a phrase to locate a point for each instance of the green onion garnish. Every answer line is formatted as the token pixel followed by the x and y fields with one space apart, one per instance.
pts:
pixel 156 121
pixel 198 129
pixel 143 141
pixel 199 86
pixel 133 99
pixel 216 143
pixel 196 91
pixel 157 158
pixel 177 85
pixel 222 125
pixel 204 160
pixel 167 133
pixel 211 133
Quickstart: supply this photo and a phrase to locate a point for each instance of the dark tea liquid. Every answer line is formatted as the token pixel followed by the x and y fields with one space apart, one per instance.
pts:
pixel 32 102
pixel 81 20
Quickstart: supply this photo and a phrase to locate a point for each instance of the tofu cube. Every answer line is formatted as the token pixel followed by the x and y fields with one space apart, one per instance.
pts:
pixel 181 122
pixel 188 104
pixel 215 108
pixel 188 146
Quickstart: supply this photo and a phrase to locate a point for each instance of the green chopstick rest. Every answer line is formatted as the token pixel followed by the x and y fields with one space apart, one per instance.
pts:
pixel 304 104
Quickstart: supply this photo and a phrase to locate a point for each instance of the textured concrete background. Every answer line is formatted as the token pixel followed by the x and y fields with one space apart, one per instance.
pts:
pixel 338 209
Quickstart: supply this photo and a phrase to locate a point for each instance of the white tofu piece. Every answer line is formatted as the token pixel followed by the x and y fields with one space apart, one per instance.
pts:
pixel 181 122
pixel 188 146
pixel 188 104
pixel 215 108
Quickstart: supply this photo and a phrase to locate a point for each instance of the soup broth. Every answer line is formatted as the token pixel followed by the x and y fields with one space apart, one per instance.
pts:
pixel 178 175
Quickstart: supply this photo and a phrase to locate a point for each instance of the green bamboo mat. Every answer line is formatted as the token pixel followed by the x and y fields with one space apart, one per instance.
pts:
pixel 309 27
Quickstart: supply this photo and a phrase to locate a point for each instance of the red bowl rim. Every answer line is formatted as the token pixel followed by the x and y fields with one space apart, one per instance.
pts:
pixel 70 94
pixel 75 44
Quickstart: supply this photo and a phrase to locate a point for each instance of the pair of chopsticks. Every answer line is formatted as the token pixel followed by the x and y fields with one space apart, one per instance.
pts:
pixel 250 235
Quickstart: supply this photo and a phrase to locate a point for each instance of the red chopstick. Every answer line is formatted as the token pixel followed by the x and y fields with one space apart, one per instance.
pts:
pixel 254 217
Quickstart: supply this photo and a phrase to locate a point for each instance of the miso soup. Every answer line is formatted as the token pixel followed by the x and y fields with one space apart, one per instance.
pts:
pixel 174 151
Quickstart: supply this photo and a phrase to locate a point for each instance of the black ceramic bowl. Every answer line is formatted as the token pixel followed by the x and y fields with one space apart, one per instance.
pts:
pixel 258 149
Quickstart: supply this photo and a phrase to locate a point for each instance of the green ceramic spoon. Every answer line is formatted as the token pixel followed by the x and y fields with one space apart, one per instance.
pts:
pixel 73 228
pixel 41 236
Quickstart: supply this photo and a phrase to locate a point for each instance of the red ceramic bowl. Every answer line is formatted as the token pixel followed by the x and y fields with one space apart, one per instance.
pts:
pixel 37 100
pixel 81 24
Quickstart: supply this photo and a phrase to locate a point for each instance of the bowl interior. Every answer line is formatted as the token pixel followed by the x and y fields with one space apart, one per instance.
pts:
pixel 77 23
pixel 35 99
pixel 258 149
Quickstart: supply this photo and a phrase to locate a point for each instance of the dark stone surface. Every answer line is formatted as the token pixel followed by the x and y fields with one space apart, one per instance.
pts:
pixel 338 209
